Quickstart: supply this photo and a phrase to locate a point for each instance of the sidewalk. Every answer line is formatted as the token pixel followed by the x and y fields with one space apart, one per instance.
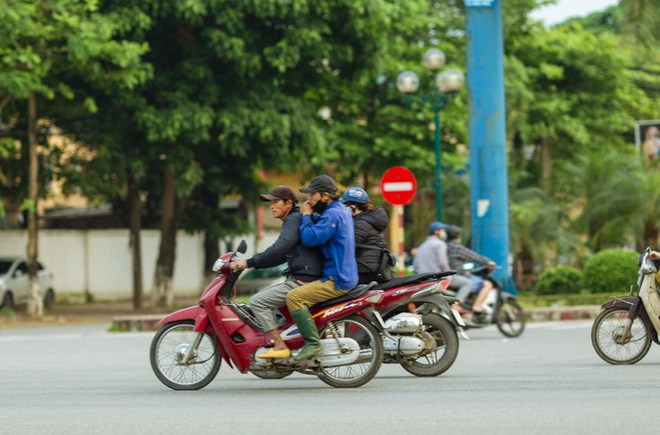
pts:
pixel 79 314
pixel 120 316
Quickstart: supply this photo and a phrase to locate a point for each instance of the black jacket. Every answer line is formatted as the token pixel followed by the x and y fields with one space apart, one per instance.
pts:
pixel 369 226
pixel 305 264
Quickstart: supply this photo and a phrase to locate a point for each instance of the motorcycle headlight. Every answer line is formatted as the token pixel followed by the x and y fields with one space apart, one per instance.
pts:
pixel 218 265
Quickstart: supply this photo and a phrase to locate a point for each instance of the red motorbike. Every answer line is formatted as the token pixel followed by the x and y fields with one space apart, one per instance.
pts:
pixel 417 324
pixel 190 344
pixel 420 327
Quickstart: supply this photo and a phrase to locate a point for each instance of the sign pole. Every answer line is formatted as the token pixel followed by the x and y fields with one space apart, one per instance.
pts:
pixel 396 237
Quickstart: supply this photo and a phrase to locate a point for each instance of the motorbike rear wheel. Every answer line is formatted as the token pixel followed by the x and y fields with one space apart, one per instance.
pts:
pixel 510 318
pixel 167 348
pixel 610 344
pixel 369 361
pixel 446 342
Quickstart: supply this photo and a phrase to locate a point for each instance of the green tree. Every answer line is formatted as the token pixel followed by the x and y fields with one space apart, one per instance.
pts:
pixel 230 94
pixel 42 45
pixel 641 18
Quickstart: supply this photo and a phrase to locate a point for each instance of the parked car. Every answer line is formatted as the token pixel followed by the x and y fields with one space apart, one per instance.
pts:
pixel 15 283
pixel 256 279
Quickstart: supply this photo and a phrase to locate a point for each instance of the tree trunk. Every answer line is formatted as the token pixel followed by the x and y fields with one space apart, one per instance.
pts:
pixel 162 294
pixel 134 229
pixel 35 306
pixel 650 236
pixel 546 167
pixel 525 275
pixel 211 249
pixel 171 209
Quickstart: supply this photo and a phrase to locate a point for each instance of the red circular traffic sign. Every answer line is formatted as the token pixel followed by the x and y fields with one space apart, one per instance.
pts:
pixel 398 185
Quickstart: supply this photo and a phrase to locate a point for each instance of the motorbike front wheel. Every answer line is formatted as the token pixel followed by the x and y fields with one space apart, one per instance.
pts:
pixel 510 318
pixel 610 341
pixel 168 348
pixel 446 348
pixel 369 360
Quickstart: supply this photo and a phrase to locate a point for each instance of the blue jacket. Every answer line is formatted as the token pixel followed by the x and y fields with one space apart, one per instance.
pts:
pixel 333 232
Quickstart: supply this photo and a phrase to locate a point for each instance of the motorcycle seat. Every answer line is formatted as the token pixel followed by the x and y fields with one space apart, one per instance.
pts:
pixel 412 279
pixel 352 294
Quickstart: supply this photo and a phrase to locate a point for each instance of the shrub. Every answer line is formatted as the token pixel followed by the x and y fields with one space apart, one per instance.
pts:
pixel 610 270
pixel 561 280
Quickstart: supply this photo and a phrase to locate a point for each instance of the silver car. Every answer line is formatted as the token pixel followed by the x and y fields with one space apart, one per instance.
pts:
pixel 15 283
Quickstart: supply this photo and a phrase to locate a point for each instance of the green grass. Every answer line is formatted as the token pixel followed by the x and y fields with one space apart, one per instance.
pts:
pixel 533 301
pixel 7 313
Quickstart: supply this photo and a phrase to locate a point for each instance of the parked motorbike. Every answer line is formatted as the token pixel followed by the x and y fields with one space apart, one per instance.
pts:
pixel 420 327
pixel 187 350
pixel 623 331
pixel 500 306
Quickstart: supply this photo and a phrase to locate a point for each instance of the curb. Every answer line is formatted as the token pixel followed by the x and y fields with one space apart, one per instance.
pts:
pixel 136 323
pixel 578 312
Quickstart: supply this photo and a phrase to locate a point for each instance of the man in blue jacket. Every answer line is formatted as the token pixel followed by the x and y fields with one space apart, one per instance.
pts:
pixel 331 229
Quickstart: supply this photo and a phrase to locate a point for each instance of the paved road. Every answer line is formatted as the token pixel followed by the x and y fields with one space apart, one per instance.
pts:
pixel 549 381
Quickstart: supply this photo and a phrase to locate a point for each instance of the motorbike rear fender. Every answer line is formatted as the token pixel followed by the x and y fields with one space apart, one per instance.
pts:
pixel 433 303
pixel 635 310
pixel 197 314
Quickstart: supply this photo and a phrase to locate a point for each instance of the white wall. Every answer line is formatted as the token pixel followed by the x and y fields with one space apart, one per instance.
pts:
pixel 99 262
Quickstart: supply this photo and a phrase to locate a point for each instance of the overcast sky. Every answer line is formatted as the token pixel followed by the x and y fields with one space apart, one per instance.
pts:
pixel 570 8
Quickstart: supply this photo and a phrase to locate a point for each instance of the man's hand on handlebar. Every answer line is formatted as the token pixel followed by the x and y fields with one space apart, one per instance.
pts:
pixel 238 265
pixel 491 265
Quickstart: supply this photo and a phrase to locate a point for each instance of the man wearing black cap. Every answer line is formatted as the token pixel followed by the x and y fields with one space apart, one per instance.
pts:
pixel 332 231
pixel 305 265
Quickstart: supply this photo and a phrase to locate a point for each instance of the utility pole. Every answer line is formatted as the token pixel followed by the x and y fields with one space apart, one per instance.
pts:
pixel 487 130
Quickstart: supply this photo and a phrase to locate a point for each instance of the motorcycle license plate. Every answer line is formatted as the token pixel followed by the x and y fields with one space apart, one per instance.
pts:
pixel 458 317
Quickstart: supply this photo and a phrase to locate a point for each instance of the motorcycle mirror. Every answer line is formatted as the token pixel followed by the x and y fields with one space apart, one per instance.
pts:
pixel 242 247
pixel 468 266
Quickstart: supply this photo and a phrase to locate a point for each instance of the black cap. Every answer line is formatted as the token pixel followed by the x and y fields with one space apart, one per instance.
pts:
pixel 280 192
pixel 453 232
pixel 322 183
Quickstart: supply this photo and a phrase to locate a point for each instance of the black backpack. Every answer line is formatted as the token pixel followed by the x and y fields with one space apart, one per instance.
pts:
pixel 386 268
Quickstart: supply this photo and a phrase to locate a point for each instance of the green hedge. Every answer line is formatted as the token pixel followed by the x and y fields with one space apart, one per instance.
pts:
pixel 610 270
pixel 560 280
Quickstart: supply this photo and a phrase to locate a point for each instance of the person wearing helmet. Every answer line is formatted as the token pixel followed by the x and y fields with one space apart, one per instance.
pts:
pixel 369 223
pixel 458 256
pixel 432 257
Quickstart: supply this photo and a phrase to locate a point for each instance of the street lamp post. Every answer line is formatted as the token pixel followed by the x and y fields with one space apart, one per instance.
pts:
pixel 447 84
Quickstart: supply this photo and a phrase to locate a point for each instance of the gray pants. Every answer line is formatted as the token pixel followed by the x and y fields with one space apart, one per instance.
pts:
pixel 274 296
pixel 463 284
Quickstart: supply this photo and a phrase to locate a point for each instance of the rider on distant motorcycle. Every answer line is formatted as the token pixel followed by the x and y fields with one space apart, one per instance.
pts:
pixel 458 256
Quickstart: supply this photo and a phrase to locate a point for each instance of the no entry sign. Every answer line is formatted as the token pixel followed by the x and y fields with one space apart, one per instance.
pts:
pixel 398 185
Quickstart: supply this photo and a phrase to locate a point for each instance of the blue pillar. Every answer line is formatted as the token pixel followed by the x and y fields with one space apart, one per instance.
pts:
pixel 487 133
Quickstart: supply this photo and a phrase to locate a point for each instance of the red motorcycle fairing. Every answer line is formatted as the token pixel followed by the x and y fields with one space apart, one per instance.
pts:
pixel 196 314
